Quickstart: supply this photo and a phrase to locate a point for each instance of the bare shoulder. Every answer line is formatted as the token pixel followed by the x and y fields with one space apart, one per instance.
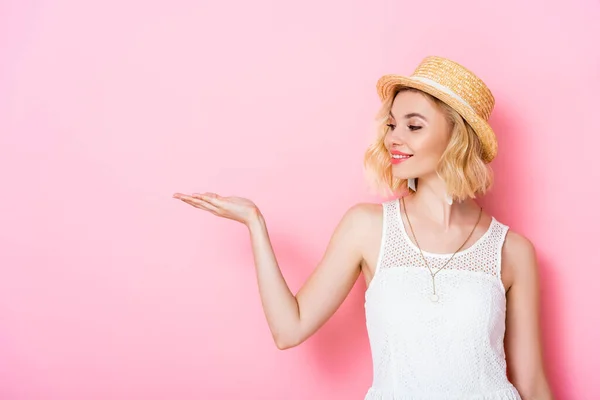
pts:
pixel 517 247
pixel 365 215
pixel 368 224
pixel 519 257
pixel 364 219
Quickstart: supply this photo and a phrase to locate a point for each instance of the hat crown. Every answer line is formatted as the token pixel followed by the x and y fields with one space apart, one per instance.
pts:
pixel 460 81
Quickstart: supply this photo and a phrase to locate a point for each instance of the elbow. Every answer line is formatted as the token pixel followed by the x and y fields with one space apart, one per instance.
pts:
pixel 284 342
pixel 538 390
pixel 284 345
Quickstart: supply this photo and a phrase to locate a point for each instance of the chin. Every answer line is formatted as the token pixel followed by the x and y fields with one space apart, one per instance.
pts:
pixel 401 173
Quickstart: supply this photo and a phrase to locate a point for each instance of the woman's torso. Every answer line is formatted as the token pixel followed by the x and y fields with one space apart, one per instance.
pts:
pixel 448 349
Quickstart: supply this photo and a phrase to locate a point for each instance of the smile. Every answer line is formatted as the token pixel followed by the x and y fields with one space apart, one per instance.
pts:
pixel 399 157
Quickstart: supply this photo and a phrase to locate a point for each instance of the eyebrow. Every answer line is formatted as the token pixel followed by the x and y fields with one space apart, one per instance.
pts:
pixel 410 115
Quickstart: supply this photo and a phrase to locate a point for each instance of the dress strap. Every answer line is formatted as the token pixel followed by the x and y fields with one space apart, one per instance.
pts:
pixel 499 244
pixel 390 217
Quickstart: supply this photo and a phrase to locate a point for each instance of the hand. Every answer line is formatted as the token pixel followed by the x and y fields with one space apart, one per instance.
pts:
pixel 235 208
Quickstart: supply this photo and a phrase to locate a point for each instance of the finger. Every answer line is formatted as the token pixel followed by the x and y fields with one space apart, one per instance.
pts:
pixel 196 204
pixel 211 198
pixel 187 198
pixel 200 204
pixel 210 194
pixel 208 206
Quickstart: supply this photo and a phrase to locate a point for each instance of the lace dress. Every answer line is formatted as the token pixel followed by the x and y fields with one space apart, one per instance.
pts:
pixel 452 348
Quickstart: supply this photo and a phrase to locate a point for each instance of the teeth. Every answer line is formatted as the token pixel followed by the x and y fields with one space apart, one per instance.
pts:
pixel 399 156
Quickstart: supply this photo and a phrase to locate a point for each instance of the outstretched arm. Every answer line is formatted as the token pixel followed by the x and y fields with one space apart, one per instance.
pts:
pixel 294 318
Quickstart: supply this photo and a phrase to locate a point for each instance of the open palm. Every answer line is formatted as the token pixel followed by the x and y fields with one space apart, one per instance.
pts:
pixel 235 208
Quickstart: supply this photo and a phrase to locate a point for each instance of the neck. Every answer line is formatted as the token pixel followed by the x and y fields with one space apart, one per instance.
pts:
pixel 430 199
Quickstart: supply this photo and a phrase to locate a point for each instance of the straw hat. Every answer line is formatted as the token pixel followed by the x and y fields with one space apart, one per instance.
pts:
pixel 456 86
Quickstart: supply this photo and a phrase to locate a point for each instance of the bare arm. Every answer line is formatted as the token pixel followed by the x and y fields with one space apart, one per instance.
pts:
pixel 292 319
pixel 523 332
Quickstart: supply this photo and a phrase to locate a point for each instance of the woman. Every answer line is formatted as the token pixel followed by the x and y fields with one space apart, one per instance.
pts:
pixel 447 283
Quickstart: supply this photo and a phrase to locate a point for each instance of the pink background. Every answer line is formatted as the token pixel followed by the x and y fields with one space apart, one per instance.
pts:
pixel 111 289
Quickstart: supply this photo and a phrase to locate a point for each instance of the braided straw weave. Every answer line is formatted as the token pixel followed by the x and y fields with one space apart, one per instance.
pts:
pixel 456 86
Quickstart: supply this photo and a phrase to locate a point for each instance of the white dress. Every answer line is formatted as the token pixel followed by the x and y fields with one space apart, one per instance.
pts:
pixel 449 349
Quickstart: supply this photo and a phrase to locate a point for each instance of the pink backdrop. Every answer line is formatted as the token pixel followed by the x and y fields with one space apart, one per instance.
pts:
pixel 111 289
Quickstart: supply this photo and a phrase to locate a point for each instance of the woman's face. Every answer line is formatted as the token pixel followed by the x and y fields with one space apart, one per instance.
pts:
pixel 418 135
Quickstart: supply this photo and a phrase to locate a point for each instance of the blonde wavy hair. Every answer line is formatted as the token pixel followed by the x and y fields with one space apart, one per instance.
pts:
pixel 461 166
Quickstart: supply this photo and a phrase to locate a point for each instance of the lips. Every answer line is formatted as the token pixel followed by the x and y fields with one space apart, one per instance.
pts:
pixel 399 157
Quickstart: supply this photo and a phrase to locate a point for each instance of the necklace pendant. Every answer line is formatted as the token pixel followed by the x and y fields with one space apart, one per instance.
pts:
pixel 434 298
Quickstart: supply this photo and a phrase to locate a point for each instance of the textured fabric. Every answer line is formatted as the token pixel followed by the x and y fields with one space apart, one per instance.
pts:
pixel 449 349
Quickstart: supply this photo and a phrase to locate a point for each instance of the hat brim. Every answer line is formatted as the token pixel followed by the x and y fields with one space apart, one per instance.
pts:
pixel 388 84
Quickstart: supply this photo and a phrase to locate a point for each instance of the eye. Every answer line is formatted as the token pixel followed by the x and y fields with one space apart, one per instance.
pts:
pixel 414 127
pixel 391 126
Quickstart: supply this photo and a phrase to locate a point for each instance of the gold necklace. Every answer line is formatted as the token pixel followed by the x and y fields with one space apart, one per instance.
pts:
pixel 434 297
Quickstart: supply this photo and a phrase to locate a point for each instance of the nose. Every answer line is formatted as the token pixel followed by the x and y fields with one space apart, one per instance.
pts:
pixel 396 142
pixel 395 138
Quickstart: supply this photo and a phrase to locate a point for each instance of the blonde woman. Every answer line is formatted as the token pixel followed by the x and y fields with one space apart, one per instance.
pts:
pixel 449 287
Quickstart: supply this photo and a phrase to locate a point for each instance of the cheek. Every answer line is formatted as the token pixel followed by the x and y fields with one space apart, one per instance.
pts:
pixel 428 153
pixel 437 148
pixel 433 146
